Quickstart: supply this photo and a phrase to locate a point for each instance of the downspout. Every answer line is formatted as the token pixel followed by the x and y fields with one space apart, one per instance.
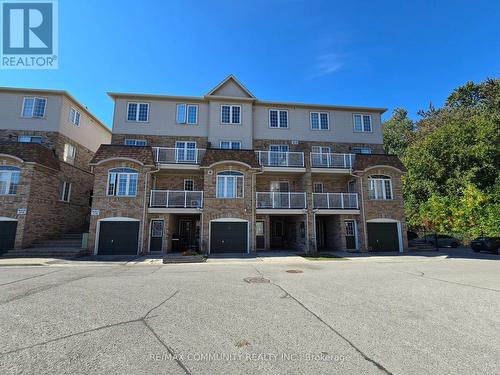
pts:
pixel 145 207
pixel 365 234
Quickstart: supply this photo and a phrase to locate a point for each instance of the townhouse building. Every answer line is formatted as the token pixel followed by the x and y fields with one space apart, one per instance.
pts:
pixel 47 139
pixel 227 172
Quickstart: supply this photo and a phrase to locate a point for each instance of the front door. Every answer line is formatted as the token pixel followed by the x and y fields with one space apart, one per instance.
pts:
pixel 186 234
pixel 278 233
pixel 259 233
pixel 156 242
pixel 350 234
pixel 320 233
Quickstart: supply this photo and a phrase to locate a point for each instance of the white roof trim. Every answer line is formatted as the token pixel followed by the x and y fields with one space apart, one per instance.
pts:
pixel 227 79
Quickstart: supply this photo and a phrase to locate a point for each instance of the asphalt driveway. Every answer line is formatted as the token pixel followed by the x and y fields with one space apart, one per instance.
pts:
pixel 397 315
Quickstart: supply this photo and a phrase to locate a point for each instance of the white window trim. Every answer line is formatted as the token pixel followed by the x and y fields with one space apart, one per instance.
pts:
pixel 61 198
pixel 230 144
pixel 30 137
pixel 117 185
pixel 230 114
pixel 137 112
pixel 372 181
pixel 135 141
pixel 33 108
pixel 72 116
pixel 319 120
pixel 186 112
pixel 185 148
pixel 9 173
pixel 318 184
pixel 188 180
pixel 225 178
pixel 362 123
pixel 279 119
pixel 69 158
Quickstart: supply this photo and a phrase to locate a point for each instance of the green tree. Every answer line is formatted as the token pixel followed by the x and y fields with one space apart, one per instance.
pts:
pixel 397 132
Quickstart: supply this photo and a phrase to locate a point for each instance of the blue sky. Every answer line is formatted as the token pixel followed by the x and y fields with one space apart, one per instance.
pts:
pixel 385 53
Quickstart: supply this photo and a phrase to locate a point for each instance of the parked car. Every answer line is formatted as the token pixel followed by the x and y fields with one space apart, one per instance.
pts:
pixel 490 244
pixel 443 240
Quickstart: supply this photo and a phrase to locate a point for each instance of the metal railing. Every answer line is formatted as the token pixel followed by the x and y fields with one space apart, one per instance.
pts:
pixel 280 159
pixel 176 199
pixel 172 155
pixel 281 200
pixel 335 201
pixel 328 160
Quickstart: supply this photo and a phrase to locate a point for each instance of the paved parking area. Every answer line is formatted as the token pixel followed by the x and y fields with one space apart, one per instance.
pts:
pixel 399 315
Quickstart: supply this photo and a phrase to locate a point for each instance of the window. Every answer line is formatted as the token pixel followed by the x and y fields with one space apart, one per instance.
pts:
pixel 185 152
pixel 350 228
pixel 138 112
pixel 230 114
pixel 69 153
pixel 189 185
pixel 34 107
pixel 74 116
pixel 362 150
pixel 278 154
pixel 351 186
pixel 320 149
pixel 187 114
pixel 29 139
pixel 380 187
pixel 9 180
pixel 136 142
pixel 320 121
pixel 65 191
pixel 230 185
pixel 318 187
pixel 362 123
pixel 278 118
pixel 230 145
pixel 280 186
pixel 122 182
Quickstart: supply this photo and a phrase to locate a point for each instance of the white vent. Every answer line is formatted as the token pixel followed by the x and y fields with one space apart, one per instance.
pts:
pixel 295 142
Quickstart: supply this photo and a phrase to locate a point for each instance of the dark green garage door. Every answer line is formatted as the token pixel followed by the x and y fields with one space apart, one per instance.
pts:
pixel 118 237
pixel 7 235
pixel 383 236
pixel 229 237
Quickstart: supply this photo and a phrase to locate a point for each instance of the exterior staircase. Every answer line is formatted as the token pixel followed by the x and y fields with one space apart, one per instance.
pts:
pixel 420 245
pixel 66 246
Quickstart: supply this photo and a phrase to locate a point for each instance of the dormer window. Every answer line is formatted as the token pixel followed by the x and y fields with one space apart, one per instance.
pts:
pixel 230 114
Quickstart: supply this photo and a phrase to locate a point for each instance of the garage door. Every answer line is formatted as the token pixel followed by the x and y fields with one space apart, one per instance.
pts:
pixel 118 237
pixel 229 237
pixel 383 236
pixel 7 235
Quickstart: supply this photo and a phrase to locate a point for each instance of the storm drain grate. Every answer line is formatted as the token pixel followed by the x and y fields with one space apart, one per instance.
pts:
pixel 256 280
pixel 294 271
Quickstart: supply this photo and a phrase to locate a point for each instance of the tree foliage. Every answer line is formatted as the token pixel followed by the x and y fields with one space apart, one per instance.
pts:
pixel 453 159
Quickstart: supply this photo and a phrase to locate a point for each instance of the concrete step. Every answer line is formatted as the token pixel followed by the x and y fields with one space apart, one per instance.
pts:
pixel 43 252
pixel 57 243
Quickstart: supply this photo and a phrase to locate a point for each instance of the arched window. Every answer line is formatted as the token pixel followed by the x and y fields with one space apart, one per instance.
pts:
pixel 9 180
pixel 122 182
pixel 380 187
pixel 230 184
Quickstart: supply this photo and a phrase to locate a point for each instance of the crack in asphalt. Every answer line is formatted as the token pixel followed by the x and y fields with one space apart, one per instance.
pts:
pixel 423 275
pixel 142 320
pixel 351 344
pixel 29 278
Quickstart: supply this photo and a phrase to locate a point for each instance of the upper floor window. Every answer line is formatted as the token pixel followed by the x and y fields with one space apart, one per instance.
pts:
pixel 74 116
pixel 185 152
pixel 380 187
pixel 278 118
pixel 34 107
pixel 135 142
pixel 65 191
pixel 362 123
pixel 362 150
pixel 138 112
pixel 187 114
pixel 230 145
pixel 29 139
pixel 230 114
pixel 9 180
pixel 189 185
pixel 230 184
pixel 69 153
pixel 318 187
pixel 122 182
pixel 319 121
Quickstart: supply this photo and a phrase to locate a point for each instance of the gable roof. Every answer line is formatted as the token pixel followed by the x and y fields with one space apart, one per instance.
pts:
pixel 217 155
pixel 142 154
pixel 230 78
pixel 31 153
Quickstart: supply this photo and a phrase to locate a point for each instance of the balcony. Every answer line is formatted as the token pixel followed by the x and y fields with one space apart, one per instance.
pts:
pixel 178 156
pixel 332 161
pixel 279 159
pixel 175 200
pixel 335 201
pixel 281 201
